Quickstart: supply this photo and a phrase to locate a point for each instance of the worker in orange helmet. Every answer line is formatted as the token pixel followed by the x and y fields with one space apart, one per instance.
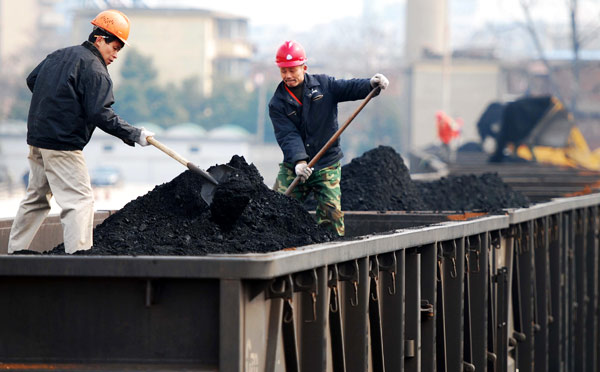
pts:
pixel 303 111
pixel 72 95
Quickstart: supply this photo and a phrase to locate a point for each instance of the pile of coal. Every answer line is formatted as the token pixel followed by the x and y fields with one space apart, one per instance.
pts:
pixel 173 219
pixel 379 181
pixel 486 192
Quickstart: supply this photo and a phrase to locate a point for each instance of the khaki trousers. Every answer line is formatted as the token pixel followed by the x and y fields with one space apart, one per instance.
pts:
pixel 63 174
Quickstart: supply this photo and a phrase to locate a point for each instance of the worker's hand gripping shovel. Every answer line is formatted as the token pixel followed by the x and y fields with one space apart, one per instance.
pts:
pixel 213 176
pixel 333 138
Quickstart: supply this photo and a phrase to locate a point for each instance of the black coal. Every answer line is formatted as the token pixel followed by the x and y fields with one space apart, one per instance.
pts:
pixel 246 216
pixel 486 192
pixel 173 219
pixel 379 181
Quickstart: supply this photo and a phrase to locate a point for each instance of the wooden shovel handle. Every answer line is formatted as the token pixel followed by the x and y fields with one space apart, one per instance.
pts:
pixel 333 138
pixel 167 150
pixel 179 158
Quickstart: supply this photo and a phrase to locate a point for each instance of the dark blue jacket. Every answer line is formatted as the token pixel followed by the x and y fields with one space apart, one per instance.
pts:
pixel 72 95
pixel 301 138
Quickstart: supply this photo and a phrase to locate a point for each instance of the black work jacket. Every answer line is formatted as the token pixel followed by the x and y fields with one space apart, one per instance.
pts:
pixel 72 95
pixel 301 136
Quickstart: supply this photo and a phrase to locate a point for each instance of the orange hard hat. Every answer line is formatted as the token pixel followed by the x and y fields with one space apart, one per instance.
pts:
pixel 290 54
pixel 113 22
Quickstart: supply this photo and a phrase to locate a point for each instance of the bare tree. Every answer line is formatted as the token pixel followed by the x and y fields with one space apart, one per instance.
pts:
pixel 577 40
pixel 530 26
pixel 575 62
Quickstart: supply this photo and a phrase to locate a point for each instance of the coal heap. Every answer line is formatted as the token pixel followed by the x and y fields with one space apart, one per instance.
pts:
pixel 379 181
pixel 486 192
pixel 173 219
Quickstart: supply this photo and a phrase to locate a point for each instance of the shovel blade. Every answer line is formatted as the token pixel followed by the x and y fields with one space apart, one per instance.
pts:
pixel 219 173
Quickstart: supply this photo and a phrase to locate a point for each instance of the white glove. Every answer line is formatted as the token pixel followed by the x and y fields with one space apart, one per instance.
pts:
pixel 143 135
pixel 303 171
pixel 379 80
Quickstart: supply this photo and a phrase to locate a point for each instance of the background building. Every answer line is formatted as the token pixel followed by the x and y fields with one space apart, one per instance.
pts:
pixel 472 85
pixel 22 24
pixel 183 43
pixel 435 80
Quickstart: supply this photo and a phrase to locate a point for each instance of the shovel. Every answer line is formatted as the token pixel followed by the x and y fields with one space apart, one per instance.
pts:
pixel 213 176
pixel 333 138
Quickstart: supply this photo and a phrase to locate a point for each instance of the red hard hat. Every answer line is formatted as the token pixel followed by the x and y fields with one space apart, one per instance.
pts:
pixel 290 54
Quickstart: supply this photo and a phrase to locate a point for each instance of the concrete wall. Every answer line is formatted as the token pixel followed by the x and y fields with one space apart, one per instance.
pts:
pixel 18 21
pixel 148 165
pixel 473 85
pixel 425 24
pixel 23 24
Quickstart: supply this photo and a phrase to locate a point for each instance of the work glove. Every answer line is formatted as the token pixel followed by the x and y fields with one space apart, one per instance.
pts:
pixel 303 171
pixel 143 135
pixel 378 80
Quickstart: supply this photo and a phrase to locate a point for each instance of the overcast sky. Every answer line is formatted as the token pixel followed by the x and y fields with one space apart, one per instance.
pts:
pixel 300 15
pixel 304 14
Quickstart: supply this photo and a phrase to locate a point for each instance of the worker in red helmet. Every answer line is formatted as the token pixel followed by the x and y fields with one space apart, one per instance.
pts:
pixel 72 95
pixel 303 111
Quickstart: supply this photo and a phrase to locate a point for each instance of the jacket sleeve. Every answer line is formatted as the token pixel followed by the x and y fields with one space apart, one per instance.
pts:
pixel 98 101
pixel 33 76
pixel 351 89
pixel 287 136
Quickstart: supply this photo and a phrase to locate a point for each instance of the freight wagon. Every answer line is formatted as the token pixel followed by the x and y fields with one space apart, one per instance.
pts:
pixel 407 292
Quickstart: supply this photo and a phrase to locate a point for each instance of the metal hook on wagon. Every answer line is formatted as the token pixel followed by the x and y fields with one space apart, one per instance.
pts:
pixel 392 291
pixel 282 287
pixel 314 308
pixel 391 268
pixel 351 277
pixel 374 296
pixel 354 300
pixel 453 273
pixel 332 283
pixel 374 274
pixel 334 307
pixel 288 313
pixel 309 286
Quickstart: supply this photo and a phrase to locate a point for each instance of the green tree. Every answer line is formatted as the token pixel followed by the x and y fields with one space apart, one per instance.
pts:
pixel 191 99
pixel 14 96
pixel 231 103
pixel 139 97
pixel 377 124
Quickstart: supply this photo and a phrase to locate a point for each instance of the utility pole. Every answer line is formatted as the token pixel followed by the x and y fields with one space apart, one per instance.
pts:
pixel 259 80
pixel 447 76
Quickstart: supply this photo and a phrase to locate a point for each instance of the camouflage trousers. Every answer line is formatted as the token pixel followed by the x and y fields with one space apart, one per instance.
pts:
pixel 325 184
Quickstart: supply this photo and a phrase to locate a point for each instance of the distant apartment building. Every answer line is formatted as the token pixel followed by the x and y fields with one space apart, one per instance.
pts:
pixel 183 43
pixel 471 86
pixel 23 24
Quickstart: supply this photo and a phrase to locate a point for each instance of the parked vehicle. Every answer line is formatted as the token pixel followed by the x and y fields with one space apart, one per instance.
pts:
pixel 106 176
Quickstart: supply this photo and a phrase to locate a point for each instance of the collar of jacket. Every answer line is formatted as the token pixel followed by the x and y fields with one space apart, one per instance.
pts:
pixel 93 49
pixel 309 82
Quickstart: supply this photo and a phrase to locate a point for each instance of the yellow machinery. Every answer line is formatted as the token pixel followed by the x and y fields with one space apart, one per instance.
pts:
pixel 542 130
pixel 576 153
